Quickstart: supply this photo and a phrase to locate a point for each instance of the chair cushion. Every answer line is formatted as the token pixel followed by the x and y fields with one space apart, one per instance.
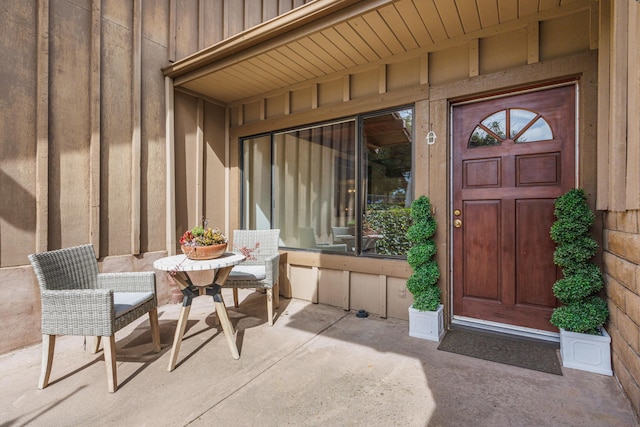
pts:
pixel 124 302
pixel 248 272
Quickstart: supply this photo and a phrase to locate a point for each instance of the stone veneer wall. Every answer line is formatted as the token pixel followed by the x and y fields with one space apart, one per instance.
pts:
pixel 622 275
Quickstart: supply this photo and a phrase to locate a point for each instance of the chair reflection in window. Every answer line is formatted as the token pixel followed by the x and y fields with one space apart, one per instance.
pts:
pixel 345 235
pixel 308 240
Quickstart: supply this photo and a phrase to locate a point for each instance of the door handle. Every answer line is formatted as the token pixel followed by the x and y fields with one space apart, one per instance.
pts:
pixel 457 223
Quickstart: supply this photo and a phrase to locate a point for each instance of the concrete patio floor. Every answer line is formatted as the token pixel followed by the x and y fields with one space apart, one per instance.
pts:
pixel 317 366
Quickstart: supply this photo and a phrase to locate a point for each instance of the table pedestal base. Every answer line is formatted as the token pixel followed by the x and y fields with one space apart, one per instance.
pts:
pixel 189 292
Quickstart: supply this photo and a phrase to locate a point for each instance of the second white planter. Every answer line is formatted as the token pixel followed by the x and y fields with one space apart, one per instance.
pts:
pixel 427 325
pixel 586 352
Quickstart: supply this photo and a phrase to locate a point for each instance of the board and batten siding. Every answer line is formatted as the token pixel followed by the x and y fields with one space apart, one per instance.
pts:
pixel 82 131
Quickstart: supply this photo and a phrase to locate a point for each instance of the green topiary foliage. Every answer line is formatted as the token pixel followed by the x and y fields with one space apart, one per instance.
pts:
pixel 421 253
pixel 575 252
pixel 429 300
pixel 583 310
pixel 421 230
pixel 575 218
pixel 584 316
pixel 422 283
pixel 579 285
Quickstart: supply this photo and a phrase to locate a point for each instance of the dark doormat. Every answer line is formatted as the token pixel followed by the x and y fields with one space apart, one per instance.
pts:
pixel 525 353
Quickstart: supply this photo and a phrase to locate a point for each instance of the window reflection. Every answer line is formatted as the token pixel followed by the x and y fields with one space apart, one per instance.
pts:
pixel 539 131
pixel 519 119
pixel 481 138
pixel 310 183
pixel 497 123
pixel 524 126
pixel 388 141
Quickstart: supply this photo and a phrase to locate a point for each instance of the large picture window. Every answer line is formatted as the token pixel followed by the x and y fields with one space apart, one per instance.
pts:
pixel 342 187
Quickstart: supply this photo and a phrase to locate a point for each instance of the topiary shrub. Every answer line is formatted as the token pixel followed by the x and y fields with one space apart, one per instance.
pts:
pixel 422 283
pixel 583 310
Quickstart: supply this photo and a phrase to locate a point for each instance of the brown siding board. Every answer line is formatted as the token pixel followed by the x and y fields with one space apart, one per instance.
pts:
pixel 69 130
pixel 633 106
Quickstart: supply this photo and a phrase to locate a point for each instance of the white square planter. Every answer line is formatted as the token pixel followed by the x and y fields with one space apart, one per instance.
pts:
pixel 586 352
pixel 428 325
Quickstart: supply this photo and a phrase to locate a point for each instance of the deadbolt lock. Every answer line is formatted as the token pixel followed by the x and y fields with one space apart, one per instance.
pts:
pixel 457 223
pixel 457 212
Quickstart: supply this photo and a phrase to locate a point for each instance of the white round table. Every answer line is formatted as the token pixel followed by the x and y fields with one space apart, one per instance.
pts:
pixel 178 267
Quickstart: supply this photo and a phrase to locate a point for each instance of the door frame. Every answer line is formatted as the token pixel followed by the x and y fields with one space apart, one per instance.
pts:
pixel 481 323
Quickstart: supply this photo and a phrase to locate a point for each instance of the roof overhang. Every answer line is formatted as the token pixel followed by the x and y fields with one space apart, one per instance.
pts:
pixel 327 39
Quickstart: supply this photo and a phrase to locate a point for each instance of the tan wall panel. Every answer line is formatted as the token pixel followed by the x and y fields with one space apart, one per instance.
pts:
pixel 185 148
pixel 155 24
pixel 116 130
pixel 253 12
pixel 403 74
pixel 365 293
pixel 69 130
pixel 276 105
pixel 364 83
pixel 214 145
pixel 332 288
pixel 213 18
pixel 503 51
pixel 304 282
pixel 20 312
pixel 376 266
pixel 153 173
pixel 186 24
pixel 449 65
pixel 399 299
pixel 235 16
pixel 235 115
pixel 564 36
pixel 301 100
pixel 17 132
pixel 330 92
pixel 421 148
pixel 251 112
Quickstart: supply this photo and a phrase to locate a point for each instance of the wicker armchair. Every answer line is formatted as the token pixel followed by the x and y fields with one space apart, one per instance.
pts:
pixel 78 300
pixel 261 267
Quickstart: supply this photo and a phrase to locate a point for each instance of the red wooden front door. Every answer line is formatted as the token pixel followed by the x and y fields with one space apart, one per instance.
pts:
pixel 512 157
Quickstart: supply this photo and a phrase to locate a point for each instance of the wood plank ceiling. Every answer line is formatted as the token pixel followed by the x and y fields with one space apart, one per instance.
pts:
pixel 352 36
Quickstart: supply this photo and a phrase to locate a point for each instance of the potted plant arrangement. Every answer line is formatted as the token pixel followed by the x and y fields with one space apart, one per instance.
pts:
pixel 426 318
pixel 584 343
pixel 202 242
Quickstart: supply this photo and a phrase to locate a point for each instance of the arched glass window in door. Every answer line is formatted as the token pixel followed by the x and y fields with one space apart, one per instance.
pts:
pixel 521 126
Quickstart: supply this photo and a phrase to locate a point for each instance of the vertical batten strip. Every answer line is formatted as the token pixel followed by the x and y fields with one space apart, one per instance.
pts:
pixel 593 27
pixel 314 96
pixel 136 143
pixel 200 166
pixel 633 106
pixel 170 196
pixel 315 273
pixel 94 145
pixel 424 69
pixel 287 103
pixel 172 30
pixel 474 57
pixel 227 176
pixel 604 106
pixel 382 295
pixel 346 88
pixel 42 128
pixel 382 79
pixel 346 289
pixel 533 43
pixel 201 23
pixel 618 112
